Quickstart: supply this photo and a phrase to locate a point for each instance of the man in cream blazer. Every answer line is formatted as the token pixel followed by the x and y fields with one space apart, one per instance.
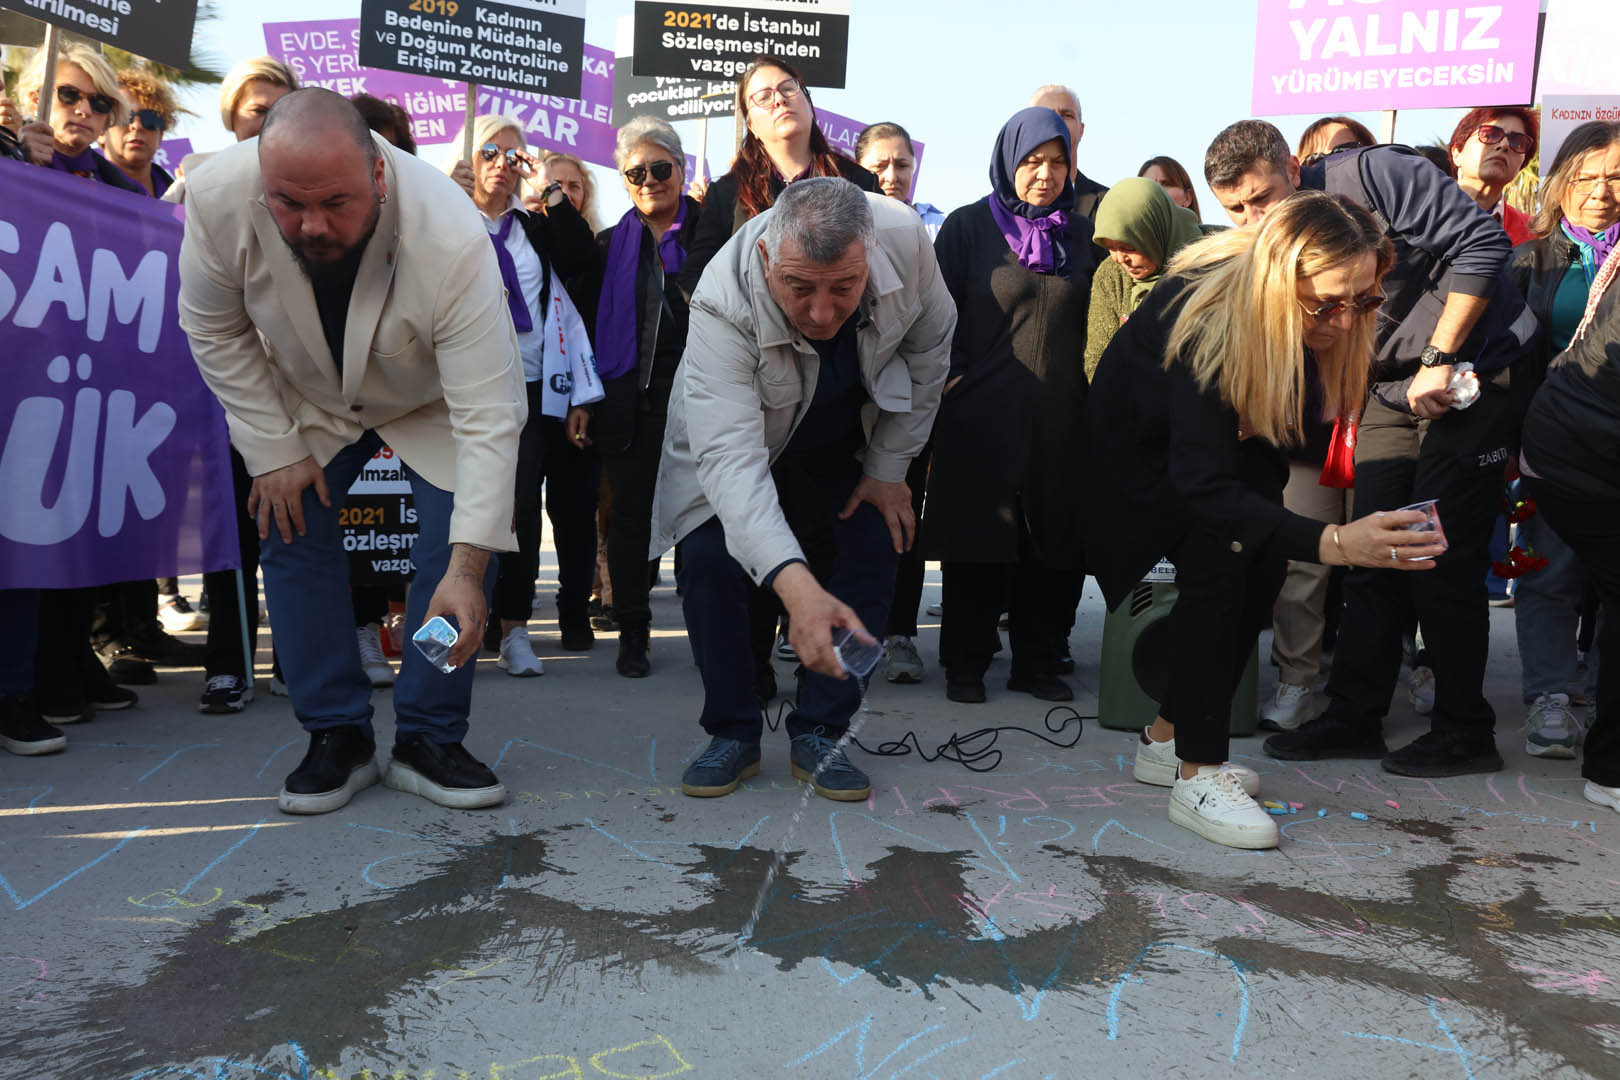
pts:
pixel 340 294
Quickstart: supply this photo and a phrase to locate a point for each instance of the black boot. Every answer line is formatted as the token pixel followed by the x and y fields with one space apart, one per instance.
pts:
pixel 633 649
pixel 576 632
pixel 341 762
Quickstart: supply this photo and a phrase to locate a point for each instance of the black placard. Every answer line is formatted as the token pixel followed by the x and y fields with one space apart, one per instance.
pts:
pixel 538 47
pixel 156 29
pixel 667 98
pixel 718 41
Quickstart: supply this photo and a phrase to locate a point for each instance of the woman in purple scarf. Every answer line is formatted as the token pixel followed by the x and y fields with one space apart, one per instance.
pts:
pixel 1577 226
pixel 86 99
pixel 1001 513
pixel 640 333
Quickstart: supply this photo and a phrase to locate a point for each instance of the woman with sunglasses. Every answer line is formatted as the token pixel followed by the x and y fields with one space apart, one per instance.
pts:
pixel 87 99
pixel 537 254
pixel 1192 407
pixel 640 334
pixel 1488 149
pixel 134 144
pixel 778 142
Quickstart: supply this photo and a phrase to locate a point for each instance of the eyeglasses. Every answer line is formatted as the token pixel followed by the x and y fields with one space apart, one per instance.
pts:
pixel 1587 186
pixel 516 160
pixel 150 119
pixel 787 91
pixel 661 171
pixel 1517 141
pixel 69 96
pixel 1361 305
pixel 1322 155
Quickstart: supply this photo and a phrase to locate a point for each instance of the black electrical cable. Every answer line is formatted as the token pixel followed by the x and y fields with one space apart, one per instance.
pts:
pixel 960 748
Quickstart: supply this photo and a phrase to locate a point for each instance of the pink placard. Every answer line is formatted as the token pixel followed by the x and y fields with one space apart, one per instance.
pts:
pixel 1329 56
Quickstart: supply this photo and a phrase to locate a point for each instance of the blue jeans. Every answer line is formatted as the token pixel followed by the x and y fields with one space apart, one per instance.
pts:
pixel 714 599
pixel 306 584
pixel 1547 613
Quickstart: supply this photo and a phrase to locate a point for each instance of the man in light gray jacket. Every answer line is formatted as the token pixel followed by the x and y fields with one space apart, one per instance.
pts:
pixel 819 341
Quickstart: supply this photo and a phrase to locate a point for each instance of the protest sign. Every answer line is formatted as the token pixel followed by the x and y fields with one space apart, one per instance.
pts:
pixel 666 97
pixel 531 45
pixel 171 153
pixel 156 29
pixel 1563 113
pixel 113 453
pixel 1329 56
pixel 842 132
pixel 1577 49
pixel 378 521
pixel 718 39
pixel 326 53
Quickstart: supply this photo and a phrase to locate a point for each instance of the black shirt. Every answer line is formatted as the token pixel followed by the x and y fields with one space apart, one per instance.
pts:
pixel 333 286
pixel 831 426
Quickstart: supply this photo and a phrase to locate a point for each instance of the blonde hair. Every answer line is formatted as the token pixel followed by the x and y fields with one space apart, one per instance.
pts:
pixel 485 127
pixel 88 60
pixel 587 205
pixel 1242 327
pixel 265 69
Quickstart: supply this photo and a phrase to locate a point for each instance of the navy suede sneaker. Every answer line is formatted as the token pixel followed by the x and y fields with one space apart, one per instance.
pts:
pixel 817 758
pixel 724 764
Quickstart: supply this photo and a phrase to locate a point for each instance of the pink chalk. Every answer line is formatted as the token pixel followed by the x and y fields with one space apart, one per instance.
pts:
pixel 1296 806
pixel 1392 804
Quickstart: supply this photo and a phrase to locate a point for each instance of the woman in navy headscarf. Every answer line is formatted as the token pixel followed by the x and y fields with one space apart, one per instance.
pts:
pixel 1001 512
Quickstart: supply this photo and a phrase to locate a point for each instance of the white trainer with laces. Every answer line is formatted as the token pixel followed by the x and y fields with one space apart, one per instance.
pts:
pixel 1214 805
pixel 1420 691
pixel 178 616
pixel 517 655
pixel 376 665
pixel 1157 764
pixel 1602 795
pixel 1289 707
pixel 1551 730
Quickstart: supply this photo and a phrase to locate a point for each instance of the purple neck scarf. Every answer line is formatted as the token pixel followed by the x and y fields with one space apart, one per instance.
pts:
pixel 1029 238
pixel 509 276
pixel 617 319
pixel 81 164
pixel 1595 247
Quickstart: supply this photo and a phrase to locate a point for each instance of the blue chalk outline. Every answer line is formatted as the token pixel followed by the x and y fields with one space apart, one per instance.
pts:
pixel 16 898
pixel 227 853
pixel 1243 984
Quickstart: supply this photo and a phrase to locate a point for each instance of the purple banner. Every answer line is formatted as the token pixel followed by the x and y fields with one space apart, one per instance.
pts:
pixel 171 153
pixel 327 53
pixel 114 463
pixel 841 132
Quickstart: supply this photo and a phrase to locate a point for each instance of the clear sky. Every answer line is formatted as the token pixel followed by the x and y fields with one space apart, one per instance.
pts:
pixel 1154 77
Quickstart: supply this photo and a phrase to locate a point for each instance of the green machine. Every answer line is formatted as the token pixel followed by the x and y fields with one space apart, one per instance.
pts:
pixel 1136 655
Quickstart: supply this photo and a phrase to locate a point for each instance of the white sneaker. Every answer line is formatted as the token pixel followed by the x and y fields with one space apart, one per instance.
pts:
pixel 785 649
pixel 372 660
pixel 178 616
pixel 277 686
pixel 904 665
pixel 1603 796
pixel 1420 691
pixel 1157 764
pixel 1551 730
pixel 1214 805
pixel 517 655
pixel 1289 707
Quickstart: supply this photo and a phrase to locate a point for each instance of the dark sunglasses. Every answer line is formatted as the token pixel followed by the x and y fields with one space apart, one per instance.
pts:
pixel 149 119
pixel 516 160
pixel 1517 141
pixel 1361 305
pixel 661 171
pixel 69 96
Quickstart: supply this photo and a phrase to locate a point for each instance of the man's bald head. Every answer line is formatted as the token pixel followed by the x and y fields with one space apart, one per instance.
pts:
pixel 323 177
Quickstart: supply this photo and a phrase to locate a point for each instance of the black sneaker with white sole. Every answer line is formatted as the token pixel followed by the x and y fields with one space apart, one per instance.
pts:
pixel 341 762
pixel 224 694
pixel 24 731
pixel 444 773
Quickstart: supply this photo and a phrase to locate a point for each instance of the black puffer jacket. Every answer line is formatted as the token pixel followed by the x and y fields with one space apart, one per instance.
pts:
pixel 1572 431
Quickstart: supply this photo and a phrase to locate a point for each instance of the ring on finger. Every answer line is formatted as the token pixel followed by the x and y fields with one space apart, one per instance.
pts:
pixel 1394 555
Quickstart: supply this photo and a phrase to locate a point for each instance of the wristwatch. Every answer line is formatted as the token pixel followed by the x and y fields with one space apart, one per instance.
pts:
pixel 549 190
pixel 1433 357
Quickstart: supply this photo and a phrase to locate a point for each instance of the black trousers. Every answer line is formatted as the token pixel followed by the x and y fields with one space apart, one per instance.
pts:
pixel 1458 459
pixel 63 649
pixel 975 595
pixel 571 476
pixel 908 576
pixel 1592 530
pixel 225 654
pixel 631 478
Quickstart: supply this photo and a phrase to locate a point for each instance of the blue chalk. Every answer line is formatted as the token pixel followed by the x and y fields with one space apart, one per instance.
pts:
pixel 1274 812
pixel 1321 813
pixel 1358 815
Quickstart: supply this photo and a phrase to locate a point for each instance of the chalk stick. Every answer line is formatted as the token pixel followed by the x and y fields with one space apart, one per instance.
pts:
pixel 1276 811
pixel 1392 804
pixel 1296 806
pixel 1269 805
pixel 1321 813
pixel 1358 815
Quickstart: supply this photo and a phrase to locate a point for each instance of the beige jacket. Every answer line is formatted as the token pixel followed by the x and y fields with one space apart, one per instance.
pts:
pixel 430 358
pixel 747 377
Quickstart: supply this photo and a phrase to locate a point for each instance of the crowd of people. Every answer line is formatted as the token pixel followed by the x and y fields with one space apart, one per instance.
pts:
pixel 808 383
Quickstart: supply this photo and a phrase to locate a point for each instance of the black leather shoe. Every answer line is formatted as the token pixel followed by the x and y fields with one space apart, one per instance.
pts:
pixel 633 648
pixel 162 648
pixel 1441 754
pixel 1044 687
pixel 1326 737
pixel 101 691
pixel 340 763
pixel 128 670
pixel 443 773
pixel 968 690
pixel 576 634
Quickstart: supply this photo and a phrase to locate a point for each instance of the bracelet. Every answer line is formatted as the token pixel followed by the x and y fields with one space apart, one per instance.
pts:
pixel 1340 546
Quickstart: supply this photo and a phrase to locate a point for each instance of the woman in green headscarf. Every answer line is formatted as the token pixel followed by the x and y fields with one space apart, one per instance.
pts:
pixel 1142 229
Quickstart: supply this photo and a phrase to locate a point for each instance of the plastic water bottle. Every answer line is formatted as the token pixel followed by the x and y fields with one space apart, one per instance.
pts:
pixel 435 640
